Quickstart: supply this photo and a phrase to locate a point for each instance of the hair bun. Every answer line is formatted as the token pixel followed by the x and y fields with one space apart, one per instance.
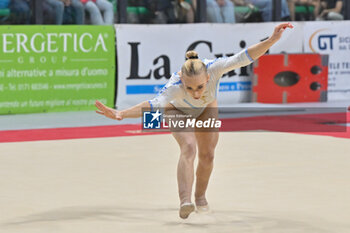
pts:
pixel 191 55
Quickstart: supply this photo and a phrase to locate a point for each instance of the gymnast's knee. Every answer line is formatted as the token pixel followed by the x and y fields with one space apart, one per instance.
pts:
pixel 206 158
pixel 188 150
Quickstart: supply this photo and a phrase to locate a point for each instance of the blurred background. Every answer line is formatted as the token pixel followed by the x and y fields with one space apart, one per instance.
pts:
pixel 99 12
pixel 62 55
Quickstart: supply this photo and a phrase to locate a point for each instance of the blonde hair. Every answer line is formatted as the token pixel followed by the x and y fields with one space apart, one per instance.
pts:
pixel 193 65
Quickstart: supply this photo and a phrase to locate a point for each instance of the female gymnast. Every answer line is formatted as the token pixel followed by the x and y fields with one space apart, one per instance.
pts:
pixel 195 88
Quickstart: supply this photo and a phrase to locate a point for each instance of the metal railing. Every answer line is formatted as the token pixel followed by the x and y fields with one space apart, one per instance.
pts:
pixel 38 12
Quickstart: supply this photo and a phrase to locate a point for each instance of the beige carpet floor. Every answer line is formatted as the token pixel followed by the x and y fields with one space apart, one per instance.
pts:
pixel 262 182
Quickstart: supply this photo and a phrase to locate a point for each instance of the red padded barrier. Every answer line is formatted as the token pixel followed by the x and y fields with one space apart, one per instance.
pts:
pixel 290 78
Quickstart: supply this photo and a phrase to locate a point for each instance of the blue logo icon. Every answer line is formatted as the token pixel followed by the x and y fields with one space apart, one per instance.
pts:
pixel 152 120
pixel 326 40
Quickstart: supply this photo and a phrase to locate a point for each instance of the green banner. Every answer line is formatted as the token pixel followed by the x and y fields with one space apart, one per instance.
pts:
pixel 56 68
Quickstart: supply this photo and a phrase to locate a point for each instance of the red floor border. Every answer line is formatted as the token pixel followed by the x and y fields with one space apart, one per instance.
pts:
pixel 306 124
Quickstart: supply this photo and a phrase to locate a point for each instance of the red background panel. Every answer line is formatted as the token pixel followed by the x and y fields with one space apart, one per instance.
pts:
pixel 265 90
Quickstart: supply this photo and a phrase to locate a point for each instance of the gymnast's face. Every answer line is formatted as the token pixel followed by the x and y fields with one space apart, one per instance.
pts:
pixel 195 85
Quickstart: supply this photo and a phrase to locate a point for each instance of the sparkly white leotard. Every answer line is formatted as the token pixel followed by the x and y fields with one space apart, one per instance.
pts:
pixel 174 92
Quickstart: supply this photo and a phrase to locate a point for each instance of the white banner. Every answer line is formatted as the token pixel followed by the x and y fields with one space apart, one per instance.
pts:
pixel 149 54
pixel 332 38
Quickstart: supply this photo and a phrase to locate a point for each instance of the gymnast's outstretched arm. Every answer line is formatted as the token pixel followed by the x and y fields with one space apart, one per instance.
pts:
pixel 132 112
pixel 261 48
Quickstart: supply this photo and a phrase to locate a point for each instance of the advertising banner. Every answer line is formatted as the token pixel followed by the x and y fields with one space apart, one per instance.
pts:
pixel 56 68
pixel 332 38
pixel 148 55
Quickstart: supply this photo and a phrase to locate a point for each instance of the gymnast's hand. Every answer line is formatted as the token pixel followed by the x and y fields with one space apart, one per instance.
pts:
pixel 108 112
pixel 279 29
